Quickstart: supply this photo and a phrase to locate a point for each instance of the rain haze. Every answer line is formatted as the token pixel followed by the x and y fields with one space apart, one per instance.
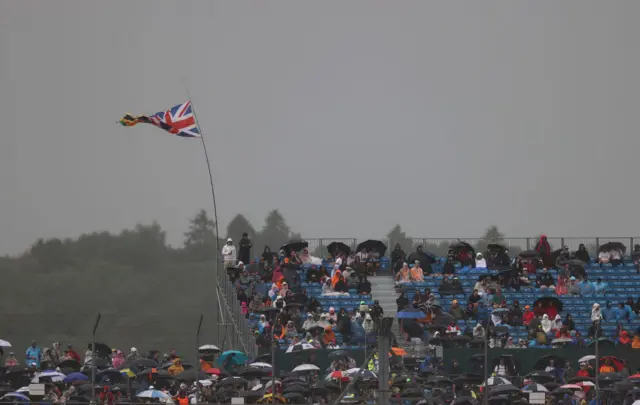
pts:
pixel 348 117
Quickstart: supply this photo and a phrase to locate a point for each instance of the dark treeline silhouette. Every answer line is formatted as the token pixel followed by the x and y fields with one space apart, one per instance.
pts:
pixel 150 294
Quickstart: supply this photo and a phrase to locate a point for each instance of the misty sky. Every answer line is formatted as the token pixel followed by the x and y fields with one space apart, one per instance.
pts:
pixel 348 116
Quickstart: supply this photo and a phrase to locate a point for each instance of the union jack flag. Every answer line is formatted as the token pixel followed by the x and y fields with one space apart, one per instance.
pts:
pixel 179 120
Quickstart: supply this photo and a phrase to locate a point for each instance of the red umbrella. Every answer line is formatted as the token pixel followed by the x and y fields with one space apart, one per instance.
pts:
pixel 615 362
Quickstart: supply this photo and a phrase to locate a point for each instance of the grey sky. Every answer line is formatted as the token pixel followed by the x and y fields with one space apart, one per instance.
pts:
pixel 347 116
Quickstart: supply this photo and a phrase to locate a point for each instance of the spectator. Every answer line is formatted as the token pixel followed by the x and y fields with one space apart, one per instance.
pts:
pixel 607 367
pixel 176 368
pixel 453 329
pixel 33 354
pixel 403 276
pixel 481 263
pixel 398 257
pixel 229 254
pixel 586 288
pixel 498 299
pixel 562 286
pixel 481 286
pixel 623 313
pixel 582 254
pixel 471 312
pixel 501 369
pixel 245 248
pixel 475 297
pixel 364 286
pixel 528 315
pixel 544 249
pixel 11 360
pixel 455 311
pixel 478 331
pixel 608 313
pixel 546 324
pixel 573 288
pixel 416 273
pixel 569 324
pixel 600 287
pixel 545 280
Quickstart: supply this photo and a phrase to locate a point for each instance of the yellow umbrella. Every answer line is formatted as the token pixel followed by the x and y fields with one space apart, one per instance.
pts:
pixel 127 373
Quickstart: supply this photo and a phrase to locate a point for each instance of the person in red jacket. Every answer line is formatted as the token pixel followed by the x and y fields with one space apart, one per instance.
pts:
pixel 528 315
pixel 72 354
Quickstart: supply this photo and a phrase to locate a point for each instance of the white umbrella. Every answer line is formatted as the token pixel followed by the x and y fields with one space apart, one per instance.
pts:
pixel 23 390
pixel 572 386
pixel 535 388
pixel 300 347
pixel 55 376
pixel 209 348
pixel 497 381
pixel 153 394
pixel 260 365
pixel 586 358
pixel 205 383
pixel 4 343
pixel 586 384
pixel 306 367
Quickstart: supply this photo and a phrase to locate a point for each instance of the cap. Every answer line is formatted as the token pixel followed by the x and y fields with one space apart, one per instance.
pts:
pixel 229 240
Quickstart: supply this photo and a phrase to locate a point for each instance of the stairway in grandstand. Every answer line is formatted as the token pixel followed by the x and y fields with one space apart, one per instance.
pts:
pixel 383 290
pixel 623 282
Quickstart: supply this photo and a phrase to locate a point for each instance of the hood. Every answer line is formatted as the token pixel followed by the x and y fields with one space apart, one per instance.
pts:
pixel 609 304
pixel 545 317
pixel 558 318
pixel 595 306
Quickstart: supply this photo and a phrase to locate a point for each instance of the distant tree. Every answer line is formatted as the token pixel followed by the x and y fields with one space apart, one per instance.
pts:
pixel 491 235
pixel 200 239
pixel 239 225
pixel 397 235
pixel 51 254
pixel 275 232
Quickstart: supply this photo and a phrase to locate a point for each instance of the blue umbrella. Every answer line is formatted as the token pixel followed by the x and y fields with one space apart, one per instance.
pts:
pixel 16 396
pixel 238 358
pixel 75 377
pixel 411 313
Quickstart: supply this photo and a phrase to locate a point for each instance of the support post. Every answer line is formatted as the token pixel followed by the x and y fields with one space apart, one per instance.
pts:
pixel 93 358
pixel 198 367
pixel 384 345
pixel 485 396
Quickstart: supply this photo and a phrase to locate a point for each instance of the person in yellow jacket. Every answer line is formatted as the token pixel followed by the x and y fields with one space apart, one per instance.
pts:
pixel 373 364
pixel 176 368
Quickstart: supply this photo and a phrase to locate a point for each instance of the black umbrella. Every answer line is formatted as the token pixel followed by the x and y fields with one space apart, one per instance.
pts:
pixel 422 257
pixel 102 350
pixel 549 302
pixel 232 381
pixel 294 245
pixel 112 374
pixel 609 377
pixel 543 361
pixel 496 247
pixel 335 247
pixel 607 247
pixel 578 379
pixel 263 358
pixel 157 373
pixel 336 354
pixel 562 391
pixel 541 376
pixel 438 379
pixel 251 394
pixel 461 245
pixel 529 254
pixel 603 341
pixel 71 364
pixel 254 372
pixel 371 244
pixel 465 401
pixel 503 389
pixel 296 388
pixel 322 387
pixel 574 263
pixel 269 310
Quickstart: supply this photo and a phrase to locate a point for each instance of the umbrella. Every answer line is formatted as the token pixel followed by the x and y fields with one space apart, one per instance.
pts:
pixel 102 350
pixel 305 367
pixel 609 377
pixel 237 357
pixel 127 372
pixel 269 310
pixel 578 379
pixel 233 381
pixel 540 376
pixel 438 379
pixel 209 349
pixel 335 247
pixel 561 391
pixel 142 363
pixel 496 247
pixel 561 341
pixel 294 245
pixel 362 373
pixel 609 246
pixel 503 389
pixel 497 381
pixel 616 362
pixel 254 372
pixel 295 397
pixel 585 384
pixel 336 354
pixel 260 365
pixel 574 263
pixel 603 341
pixel 586 358
pixel 4 343
pixel 75 377
pixel 371 244
pixel 16 396
pixel 411 313
pixel 461 245
pixel 300 347
pixel 151 393
pixel 465 400
pixel 543 361
pixel 535 388
pixel 111 373
pixel 571 387
pixel 529 254
pixel 50 375
pixel 549 302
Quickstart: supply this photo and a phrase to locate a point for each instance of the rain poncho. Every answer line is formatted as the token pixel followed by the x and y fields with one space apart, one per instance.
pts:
pixel 416 273
pixel 546 323
pixel 600 287
pixel 596 314
pixel 368 323
pixel 404 274
pixel 557 323
pixel 229 252
pixel 309 323
pixel 481 263
pixel 118 360
pixel 478 331
pixel 625 313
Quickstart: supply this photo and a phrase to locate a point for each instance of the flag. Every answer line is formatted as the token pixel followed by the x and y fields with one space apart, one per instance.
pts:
pixel 179 120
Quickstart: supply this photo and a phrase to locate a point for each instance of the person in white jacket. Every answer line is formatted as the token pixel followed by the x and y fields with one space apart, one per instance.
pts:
pixel 229 254
pixel 481 263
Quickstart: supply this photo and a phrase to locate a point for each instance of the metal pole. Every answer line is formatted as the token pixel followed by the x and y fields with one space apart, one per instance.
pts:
pixel 273 369
pixel 485 397
pixel 597 373
pixel 198 367
pixel 384 343
pixel 93 359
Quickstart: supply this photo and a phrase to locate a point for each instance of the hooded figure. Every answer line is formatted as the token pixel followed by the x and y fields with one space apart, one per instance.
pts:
pixel 596 314
pixel 546 323
pixel 557 323
pixel 309 323
pixel 478 331
pixel 608 313
pixel 229 254
pixel 481 263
